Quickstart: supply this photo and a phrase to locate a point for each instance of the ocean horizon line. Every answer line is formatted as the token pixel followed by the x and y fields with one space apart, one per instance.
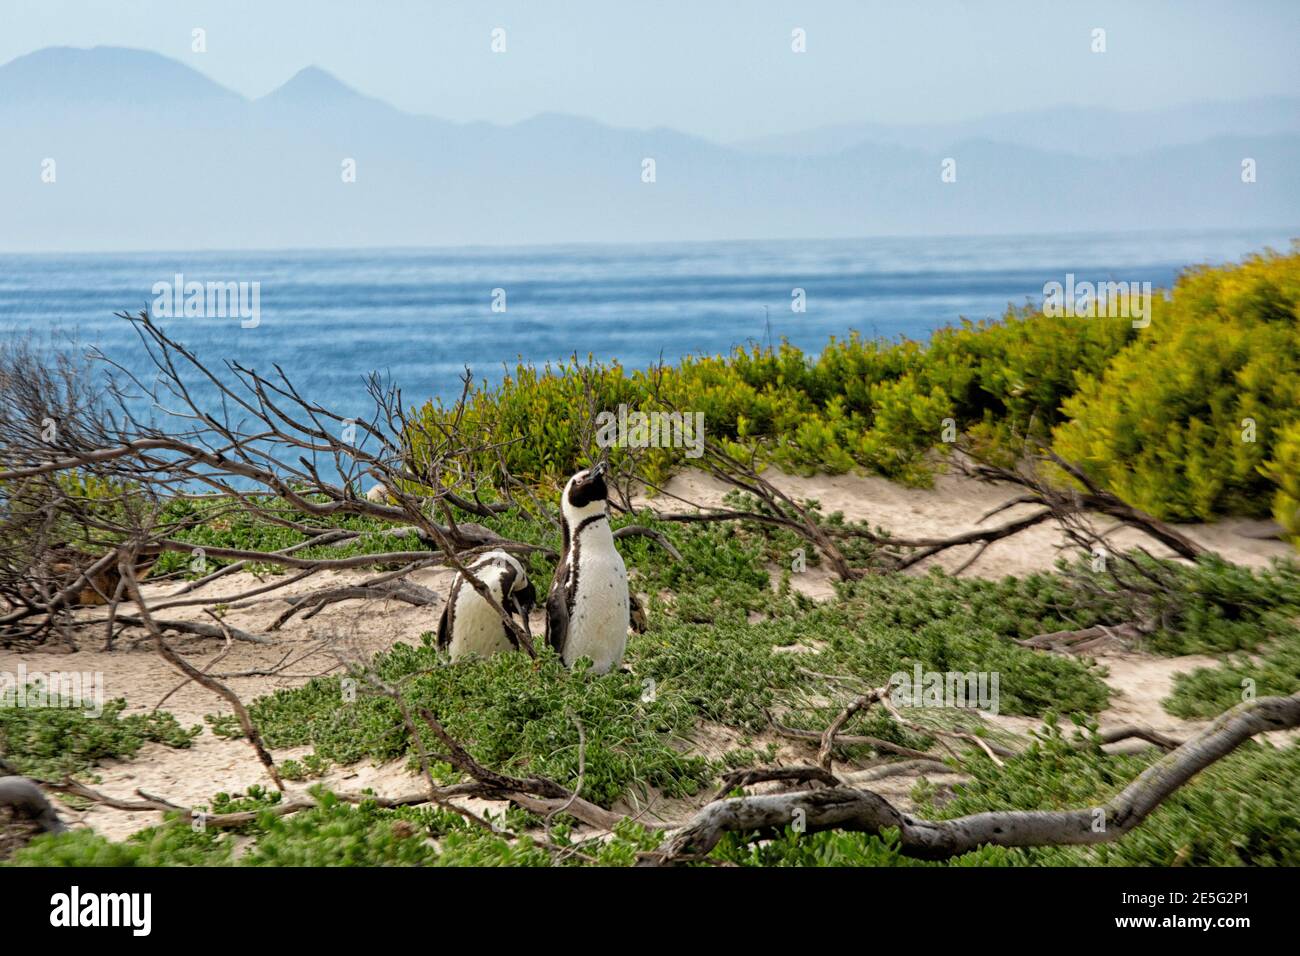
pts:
pixel 1083 235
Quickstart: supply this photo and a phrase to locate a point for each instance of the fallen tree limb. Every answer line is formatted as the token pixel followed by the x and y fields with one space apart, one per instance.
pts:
pixel 326 537
pixel 241 599
pixel 846 808
pixel 410 593
pixel 582 810
pixel 827 744
pixel 796 774
pixel 656 536
pixel 992 748
pixel 197 628
pixel 1131 731
pixel 1064 502
pixel 983 536
pixel 586 812
pixel 1080 641
pixel 207 668
pixel 847 740
pixel 897 768
pixel 78 789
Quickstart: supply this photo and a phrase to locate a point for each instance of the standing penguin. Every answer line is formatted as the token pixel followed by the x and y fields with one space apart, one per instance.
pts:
pixel 469 624
pixel 587 609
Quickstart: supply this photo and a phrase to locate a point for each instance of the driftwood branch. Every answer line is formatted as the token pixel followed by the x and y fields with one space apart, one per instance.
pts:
pixel 636 530
pixel 846 808
pixel 1085 640
pixel 847 740
pixel 224 821
pixel 797 774
pixel 405 591
pixel 195 628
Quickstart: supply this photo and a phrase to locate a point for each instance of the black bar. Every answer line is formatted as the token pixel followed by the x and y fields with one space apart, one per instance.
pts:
pixel 253 907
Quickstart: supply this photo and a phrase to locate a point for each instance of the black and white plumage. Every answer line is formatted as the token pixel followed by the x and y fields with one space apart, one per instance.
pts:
pixel 587 608
pixel 469 624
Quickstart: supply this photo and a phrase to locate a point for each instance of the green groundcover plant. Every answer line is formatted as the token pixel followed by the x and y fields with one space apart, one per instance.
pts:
pixel 726 650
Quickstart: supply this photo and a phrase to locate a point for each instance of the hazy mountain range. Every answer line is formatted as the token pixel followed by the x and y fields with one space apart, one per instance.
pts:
pixel 150 154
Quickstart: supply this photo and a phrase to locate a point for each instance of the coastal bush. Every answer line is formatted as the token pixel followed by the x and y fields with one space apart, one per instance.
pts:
pixel 1192 416
pixel 1284 471
pixel 1195 418
pixel 880 405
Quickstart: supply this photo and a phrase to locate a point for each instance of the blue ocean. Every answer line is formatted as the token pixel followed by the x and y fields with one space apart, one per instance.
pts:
pixel 329 318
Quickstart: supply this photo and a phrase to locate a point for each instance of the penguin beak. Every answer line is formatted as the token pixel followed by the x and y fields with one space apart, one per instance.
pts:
pixel 588 486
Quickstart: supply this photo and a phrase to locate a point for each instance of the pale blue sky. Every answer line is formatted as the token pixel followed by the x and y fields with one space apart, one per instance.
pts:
pixel 723 70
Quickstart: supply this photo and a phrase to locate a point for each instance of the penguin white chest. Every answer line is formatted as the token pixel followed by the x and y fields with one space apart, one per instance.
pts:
pixel 599 620
pixel 478 629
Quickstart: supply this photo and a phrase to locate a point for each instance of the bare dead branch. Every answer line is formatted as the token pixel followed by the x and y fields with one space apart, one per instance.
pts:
pixel 847 808
pixel 656 536
pixel 211 683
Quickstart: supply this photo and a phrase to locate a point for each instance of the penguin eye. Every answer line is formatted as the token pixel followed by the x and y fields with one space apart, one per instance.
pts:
pixel 574 487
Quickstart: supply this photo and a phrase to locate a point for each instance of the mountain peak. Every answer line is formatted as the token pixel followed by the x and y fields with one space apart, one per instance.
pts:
pixel 315 87
pixel 314 82
pixel 107 74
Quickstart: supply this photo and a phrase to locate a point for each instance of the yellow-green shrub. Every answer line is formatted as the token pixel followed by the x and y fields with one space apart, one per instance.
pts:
pixel 1156 414
pixel 880 405
pixel 1183 421
pixel 1284 470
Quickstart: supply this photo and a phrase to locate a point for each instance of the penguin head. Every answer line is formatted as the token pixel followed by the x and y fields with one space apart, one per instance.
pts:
pixel 525 597
pixel 522 593
pixel 585 495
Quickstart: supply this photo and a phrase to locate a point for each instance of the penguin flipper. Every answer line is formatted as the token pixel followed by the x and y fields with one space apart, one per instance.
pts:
pixel 557 621
pixel 445 622
pixel 637 613
pixel 557 608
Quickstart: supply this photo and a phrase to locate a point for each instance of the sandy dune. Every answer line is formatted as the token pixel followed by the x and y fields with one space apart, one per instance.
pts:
pixel 955 504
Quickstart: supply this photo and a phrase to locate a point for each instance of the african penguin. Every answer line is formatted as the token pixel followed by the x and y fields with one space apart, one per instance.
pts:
pixel 587 608
pixel 469 624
